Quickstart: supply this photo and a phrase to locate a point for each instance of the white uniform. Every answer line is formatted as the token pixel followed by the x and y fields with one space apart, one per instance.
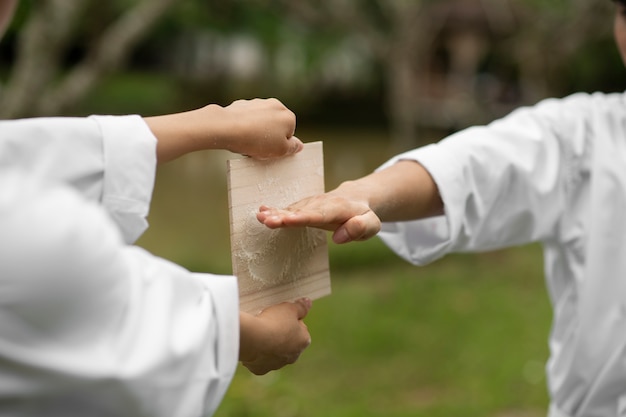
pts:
pixel 553 173
pixel 90 325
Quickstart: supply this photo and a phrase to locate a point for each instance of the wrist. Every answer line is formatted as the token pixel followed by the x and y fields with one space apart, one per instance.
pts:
pixel 212 127
pixel 355 190
pixel 194 130
pixel 245 343
pixel 250 331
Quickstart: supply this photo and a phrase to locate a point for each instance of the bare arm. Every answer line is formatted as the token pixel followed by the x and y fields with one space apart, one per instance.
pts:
pixel 404 191
pixel 355 209
pixel 261 128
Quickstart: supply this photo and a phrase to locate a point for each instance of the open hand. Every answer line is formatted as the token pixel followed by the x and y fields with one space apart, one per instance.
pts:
pixel 349 219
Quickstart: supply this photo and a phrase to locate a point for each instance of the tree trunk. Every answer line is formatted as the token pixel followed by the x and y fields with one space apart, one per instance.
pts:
pixel 401 102
pixel 40 48
pixel 34 88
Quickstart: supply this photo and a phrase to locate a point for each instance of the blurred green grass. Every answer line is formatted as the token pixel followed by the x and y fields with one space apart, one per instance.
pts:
pixel 465 336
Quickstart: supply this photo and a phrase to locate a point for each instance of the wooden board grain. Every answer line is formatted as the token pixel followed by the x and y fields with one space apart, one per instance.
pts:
pixel 277 265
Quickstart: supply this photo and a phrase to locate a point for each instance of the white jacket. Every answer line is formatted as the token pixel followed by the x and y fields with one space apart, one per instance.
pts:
pixel 554 173
pixel 90 325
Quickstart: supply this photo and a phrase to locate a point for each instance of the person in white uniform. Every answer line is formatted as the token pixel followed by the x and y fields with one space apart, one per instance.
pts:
pixel 93 326
pixel 554 173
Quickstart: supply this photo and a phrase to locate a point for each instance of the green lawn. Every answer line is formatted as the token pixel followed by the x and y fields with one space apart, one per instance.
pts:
pixel 465 336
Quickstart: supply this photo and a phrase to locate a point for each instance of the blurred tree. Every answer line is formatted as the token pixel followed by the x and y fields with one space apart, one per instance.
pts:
pixel 403 36
pixel 41 81
pixel 435 55
pixel 443 63
pixel 552 34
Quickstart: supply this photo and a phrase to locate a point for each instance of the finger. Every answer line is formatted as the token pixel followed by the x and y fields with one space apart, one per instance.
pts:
pixel 291 359
pixel 274 218
pixel 269 217
pixel 305 329
pixel 360 227
pixel 262 367
pixel 321 212
pixel 341 235
pixel 264 208
pixel 263 213
pixel 312 216
pixel 256 369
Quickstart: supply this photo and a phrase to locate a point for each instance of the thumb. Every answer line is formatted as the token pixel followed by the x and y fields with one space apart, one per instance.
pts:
pixel 295 145
pixel 361 227
pixel 302 305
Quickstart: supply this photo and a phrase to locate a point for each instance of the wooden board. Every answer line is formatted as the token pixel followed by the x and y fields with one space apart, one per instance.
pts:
pixel 276 265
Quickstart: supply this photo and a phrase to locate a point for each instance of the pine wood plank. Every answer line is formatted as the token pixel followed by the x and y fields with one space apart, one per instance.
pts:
pixel 277 265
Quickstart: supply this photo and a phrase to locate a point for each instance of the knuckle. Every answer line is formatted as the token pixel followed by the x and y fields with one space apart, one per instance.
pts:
pixel 292 358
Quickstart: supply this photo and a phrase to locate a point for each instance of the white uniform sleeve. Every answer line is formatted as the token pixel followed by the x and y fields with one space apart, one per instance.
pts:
pixel 110 159
pixel 88 324
pixel 502 185
pixel 91 326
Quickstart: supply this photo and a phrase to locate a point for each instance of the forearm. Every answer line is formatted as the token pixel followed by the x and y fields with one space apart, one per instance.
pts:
pixel 260 128
pixel 403 191
pixel 178 134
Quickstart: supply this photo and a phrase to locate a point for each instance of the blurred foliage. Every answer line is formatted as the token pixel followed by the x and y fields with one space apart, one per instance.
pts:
pixel 303 60
pixel 597 66
pixel 135 93
pixel 592 65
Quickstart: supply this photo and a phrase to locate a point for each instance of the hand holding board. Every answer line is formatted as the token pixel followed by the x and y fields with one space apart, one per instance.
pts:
pixel 276 265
